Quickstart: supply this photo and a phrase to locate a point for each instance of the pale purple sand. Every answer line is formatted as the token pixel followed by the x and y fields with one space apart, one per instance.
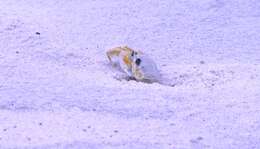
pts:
pixel 58 91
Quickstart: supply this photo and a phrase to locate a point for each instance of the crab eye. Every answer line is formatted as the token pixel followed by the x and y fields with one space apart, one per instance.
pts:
pixel 138 61
pixel 132 54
